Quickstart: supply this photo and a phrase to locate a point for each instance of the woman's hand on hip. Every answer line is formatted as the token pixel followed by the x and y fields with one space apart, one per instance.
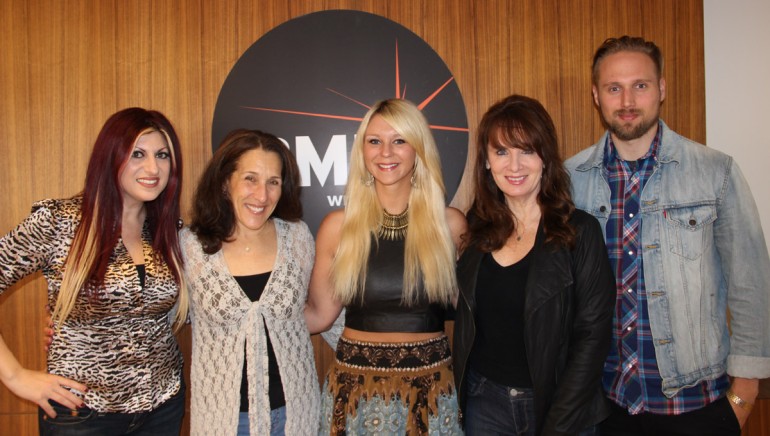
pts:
pixel 39 387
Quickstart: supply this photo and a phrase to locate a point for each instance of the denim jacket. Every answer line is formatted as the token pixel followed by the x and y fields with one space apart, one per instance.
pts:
pixel 703 251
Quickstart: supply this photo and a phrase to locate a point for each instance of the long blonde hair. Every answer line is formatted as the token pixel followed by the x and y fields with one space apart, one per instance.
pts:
pixel 429 250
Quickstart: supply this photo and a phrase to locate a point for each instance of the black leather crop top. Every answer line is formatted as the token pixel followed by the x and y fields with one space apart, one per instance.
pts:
pixel 381 309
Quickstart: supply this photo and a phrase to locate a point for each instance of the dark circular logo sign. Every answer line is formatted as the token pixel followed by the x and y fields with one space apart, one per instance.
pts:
pixel 310 81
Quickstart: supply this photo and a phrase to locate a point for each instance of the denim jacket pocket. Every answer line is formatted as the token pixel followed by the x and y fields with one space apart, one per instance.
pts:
pixel 688 227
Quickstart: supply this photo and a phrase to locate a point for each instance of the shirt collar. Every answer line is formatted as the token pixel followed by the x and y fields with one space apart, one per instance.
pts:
pixel 611 151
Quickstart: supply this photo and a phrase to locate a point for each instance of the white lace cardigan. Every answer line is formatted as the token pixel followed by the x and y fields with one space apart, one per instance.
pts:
pixel 225 321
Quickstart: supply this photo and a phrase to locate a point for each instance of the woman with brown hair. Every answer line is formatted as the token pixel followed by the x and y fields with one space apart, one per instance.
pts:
pixel 248 258
pixel 536 290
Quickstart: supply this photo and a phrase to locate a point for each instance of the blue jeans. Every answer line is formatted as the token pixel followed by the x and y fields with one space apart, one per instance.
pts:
pixel 277 422
pixel 165 420
pixel 495 409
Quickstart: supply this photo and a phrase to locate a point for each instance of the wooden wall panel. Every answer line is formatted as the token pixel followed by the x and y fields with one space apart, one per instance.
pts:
pixel 66 66
pixel 759 420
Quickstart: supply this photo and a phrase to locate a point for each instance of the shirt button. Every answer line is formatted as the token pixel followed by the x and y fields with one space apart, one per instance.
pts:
pixel 630 215
pixel 628 329
pixel 630 291
pixel 514 392
pixel 631 252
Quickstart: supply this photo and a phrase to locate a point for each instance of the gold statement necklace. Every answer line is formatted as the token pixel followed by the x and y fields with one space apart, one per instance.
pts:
pixel 394 227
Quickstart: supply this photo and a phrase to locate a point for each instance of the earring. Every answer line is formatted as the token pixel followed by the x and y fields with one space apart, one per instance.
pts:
pixel 487 165
pixel 413 179
pixel 369 181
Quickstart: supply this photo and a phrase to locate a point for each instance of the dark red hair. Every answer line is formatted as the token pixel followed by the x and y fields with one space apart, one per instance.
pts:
pixel 102 191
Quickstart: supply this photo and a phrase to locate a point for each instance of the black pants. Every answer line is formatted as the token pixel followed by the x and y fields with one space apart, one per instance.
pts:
pixel 716 419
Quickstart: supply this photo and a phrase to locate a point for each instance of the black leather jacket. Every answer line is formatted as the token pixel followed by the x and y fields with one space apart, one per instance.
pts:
pixel 568 309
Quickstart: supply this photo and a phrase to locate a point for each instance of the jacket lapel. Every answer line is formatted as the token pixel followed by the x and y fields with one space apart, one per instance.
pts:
pixel 548 276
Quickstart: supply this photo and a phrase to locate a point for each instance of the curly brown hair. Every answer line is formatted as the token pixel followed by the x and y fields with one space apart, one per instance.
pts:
pixel 213 219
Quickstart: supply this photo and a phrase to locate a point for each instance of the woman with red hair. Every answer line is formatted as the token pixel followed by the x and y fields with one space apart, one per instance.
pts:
pixel 113 265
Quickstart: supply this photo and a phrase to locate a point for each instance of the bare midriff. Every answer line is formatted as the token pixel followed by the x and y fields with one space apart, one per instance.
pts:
pixel 362 336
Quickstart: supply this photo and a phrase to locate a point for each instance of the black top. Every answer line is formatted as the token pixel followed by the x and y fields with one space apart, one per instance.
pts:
pixel 253 286
pixel 381 308
pixel 568 307
pixel 498 352
pixel 142 272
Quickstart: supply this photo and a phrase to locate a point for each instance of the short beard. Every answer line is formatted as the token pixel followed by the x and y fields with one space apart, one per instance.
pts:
pixel 626 134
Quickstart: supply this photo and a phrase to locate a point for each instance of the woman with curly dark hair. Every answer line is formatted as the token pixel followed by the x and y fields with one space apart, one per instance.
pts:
pixel 248 258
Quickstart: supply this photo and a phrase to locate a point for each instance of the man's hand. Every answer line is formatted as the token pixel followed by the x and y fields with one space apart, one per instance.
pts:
pixel 747 390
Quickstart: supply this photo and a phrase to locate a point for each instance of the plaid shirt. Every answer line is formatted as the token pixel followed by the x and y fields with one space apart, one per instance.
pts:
pixel 631 378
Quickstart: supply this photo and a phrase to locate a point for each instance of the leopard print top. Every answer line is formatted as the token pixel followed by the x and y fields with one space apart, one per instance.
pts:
pixel 119 342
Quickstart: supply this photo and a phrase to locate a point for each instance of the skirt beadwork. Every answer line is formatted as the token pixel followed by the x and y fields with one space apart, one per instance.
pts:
pixel 390 389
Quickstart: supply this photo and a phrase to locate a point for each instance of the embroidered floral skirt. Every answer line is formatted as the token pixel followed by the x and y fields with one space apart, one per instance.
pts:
pixel 390 389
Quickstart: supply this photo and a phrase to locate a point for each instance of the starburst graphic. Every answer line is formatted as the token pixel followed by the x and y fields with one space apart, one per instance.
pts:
pixel 399 93
pixel 310 81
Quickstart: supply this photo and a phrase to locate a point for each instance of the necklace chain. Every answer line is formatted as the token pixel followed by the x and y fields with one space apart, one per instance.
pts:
pixel 394 227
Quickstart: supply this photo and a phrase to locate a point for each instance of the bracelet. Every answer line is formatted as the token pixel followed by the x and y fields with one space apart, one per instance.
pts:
pixel 738 401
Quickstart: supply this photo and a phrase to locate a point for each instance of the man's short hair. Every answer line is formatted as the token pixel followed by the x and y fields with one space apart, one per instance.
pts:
pixel 627 43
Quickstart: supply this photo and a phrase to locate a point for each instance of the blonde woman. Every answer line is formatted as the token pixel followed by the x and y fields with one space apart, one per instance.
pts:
pixel 388 258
